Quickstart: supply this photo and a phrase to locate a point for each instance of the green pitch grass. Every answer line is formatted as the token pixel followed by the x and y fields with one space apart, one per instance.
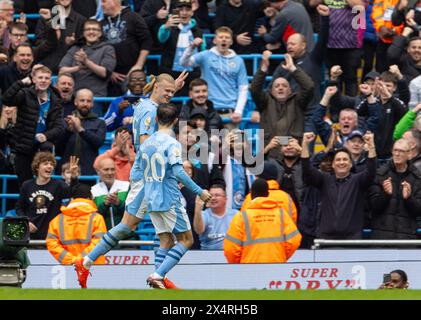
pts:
pixel 45 294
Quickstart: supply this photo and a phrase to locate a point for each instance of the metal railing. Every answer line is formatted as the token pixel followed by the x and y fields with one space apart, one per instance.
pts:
pixel 5 178
pixel 319 243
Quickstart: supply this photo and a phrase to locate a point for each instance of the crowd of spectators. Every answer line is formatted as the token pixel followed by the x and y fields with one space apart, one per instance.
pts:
pixel 354 88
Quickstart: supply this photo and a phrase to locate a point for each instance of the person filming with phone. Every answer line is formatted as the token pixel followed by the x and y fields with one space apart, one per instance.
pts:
pixel 282 110
pixel 396 279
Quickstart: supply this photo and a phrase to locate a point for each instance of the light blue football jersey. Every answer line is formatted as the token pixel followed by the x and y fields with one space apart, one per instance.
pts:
pixel 158 154
pixel 144 122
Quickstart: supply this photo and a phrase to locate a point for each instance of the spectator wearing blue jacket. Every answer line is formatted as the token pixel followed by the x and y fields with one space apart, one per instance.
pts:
pixel 120 111
pixel 224 71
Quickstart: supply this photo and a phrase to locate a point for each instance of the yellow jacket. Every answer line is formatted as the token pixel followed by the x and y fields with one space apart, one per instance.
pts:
pixel 264 233
pixel 282 198
pixel 75 232
pixel 382 16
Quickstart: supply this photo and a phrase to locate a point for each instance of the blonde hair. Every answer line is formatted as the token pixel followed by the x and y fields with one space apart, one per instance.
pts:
pixel 162 77
pixel 40 68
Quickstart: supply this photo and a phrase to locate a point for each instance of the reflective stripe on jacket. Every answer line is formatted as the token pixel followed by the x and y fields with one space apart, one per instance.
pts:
pixel 264 233
pixel 75 232
pixel 382 16
pixel 282 198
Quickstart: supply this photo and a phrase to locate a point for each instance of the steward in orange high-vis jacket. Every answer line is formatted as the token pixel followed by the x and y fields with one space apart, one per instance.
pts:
pixel 263 233
pixel 76 231
pixel 282 199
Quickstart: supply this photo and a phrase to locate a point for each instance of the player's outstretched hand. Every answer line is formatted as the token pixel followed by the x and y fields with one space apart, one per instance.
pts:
pixel 205 196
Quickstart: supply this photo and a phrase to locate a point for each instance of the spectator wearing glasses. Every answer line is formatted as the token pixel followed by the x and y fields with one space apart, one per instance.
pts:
pixel 120 111
pixel 212 223
pixel 91 61
pixel 18 33
pixel 395 197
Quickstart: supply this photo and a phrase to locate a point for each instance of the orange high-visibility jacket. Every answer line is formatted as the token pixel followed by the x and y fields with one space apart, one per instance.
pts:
pixel 75 232
pixel 282 198
pixel 382 16
pixel 264 233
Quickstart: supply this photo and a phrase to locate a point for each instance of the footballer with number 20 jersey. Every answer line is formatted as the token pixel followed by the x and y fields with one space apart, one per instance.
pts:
pixel 161 169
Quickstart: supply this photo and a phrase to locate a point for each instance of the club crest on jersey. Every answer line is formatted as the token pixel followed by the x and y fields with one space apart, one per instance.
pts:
pixel 148 121
pixel 176 152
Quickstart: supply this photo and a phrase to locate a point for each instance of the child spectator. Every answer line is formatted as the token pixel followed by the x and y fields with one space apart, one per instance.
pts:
pixel 41 197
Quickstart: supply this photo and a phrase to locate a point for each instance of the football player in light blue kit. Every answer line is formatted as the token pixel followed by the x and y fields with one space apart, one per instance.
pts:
pixel 162 169
pixel 163 88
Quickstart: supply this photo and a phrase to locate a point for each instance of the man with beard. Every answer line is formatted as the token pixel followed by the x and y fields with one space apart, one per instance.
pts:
pixel 39 118
pixel 409 62
pixel 120 111
pixel 65 85
pixel 85 133
pixel 199 93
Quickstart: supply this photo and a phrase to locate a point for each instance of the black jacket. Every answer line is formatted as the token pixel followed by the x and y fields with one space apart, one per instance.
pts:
pixel 391 112
pixel 342 206
pixel 134 37
pixel 74 24
pixel 239 19
pixel 44 46
pixel 26 6
pixel 396 54
pixel 86 8
pixel 213 121
pixel 393 217
pixel 167 57
pixel 206 179
pixel 312 64
pixel 9 74
pixel 85 145
pixel 26 100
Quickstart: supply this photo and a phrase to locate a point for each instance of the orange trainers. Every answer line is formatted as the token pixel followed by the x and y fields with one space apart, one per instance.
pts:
pixel 169 284
pixel 82 273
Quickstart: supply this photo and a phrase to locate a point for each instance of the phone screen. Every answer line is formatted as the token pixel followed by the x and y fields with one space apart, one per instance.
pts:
pixel 283 140
pixel 387 278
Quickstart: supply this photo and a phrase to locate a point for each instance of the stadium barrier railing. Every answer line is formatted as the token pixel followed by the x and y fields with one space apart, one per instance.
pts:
pixel 319 243
pixel 4 195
